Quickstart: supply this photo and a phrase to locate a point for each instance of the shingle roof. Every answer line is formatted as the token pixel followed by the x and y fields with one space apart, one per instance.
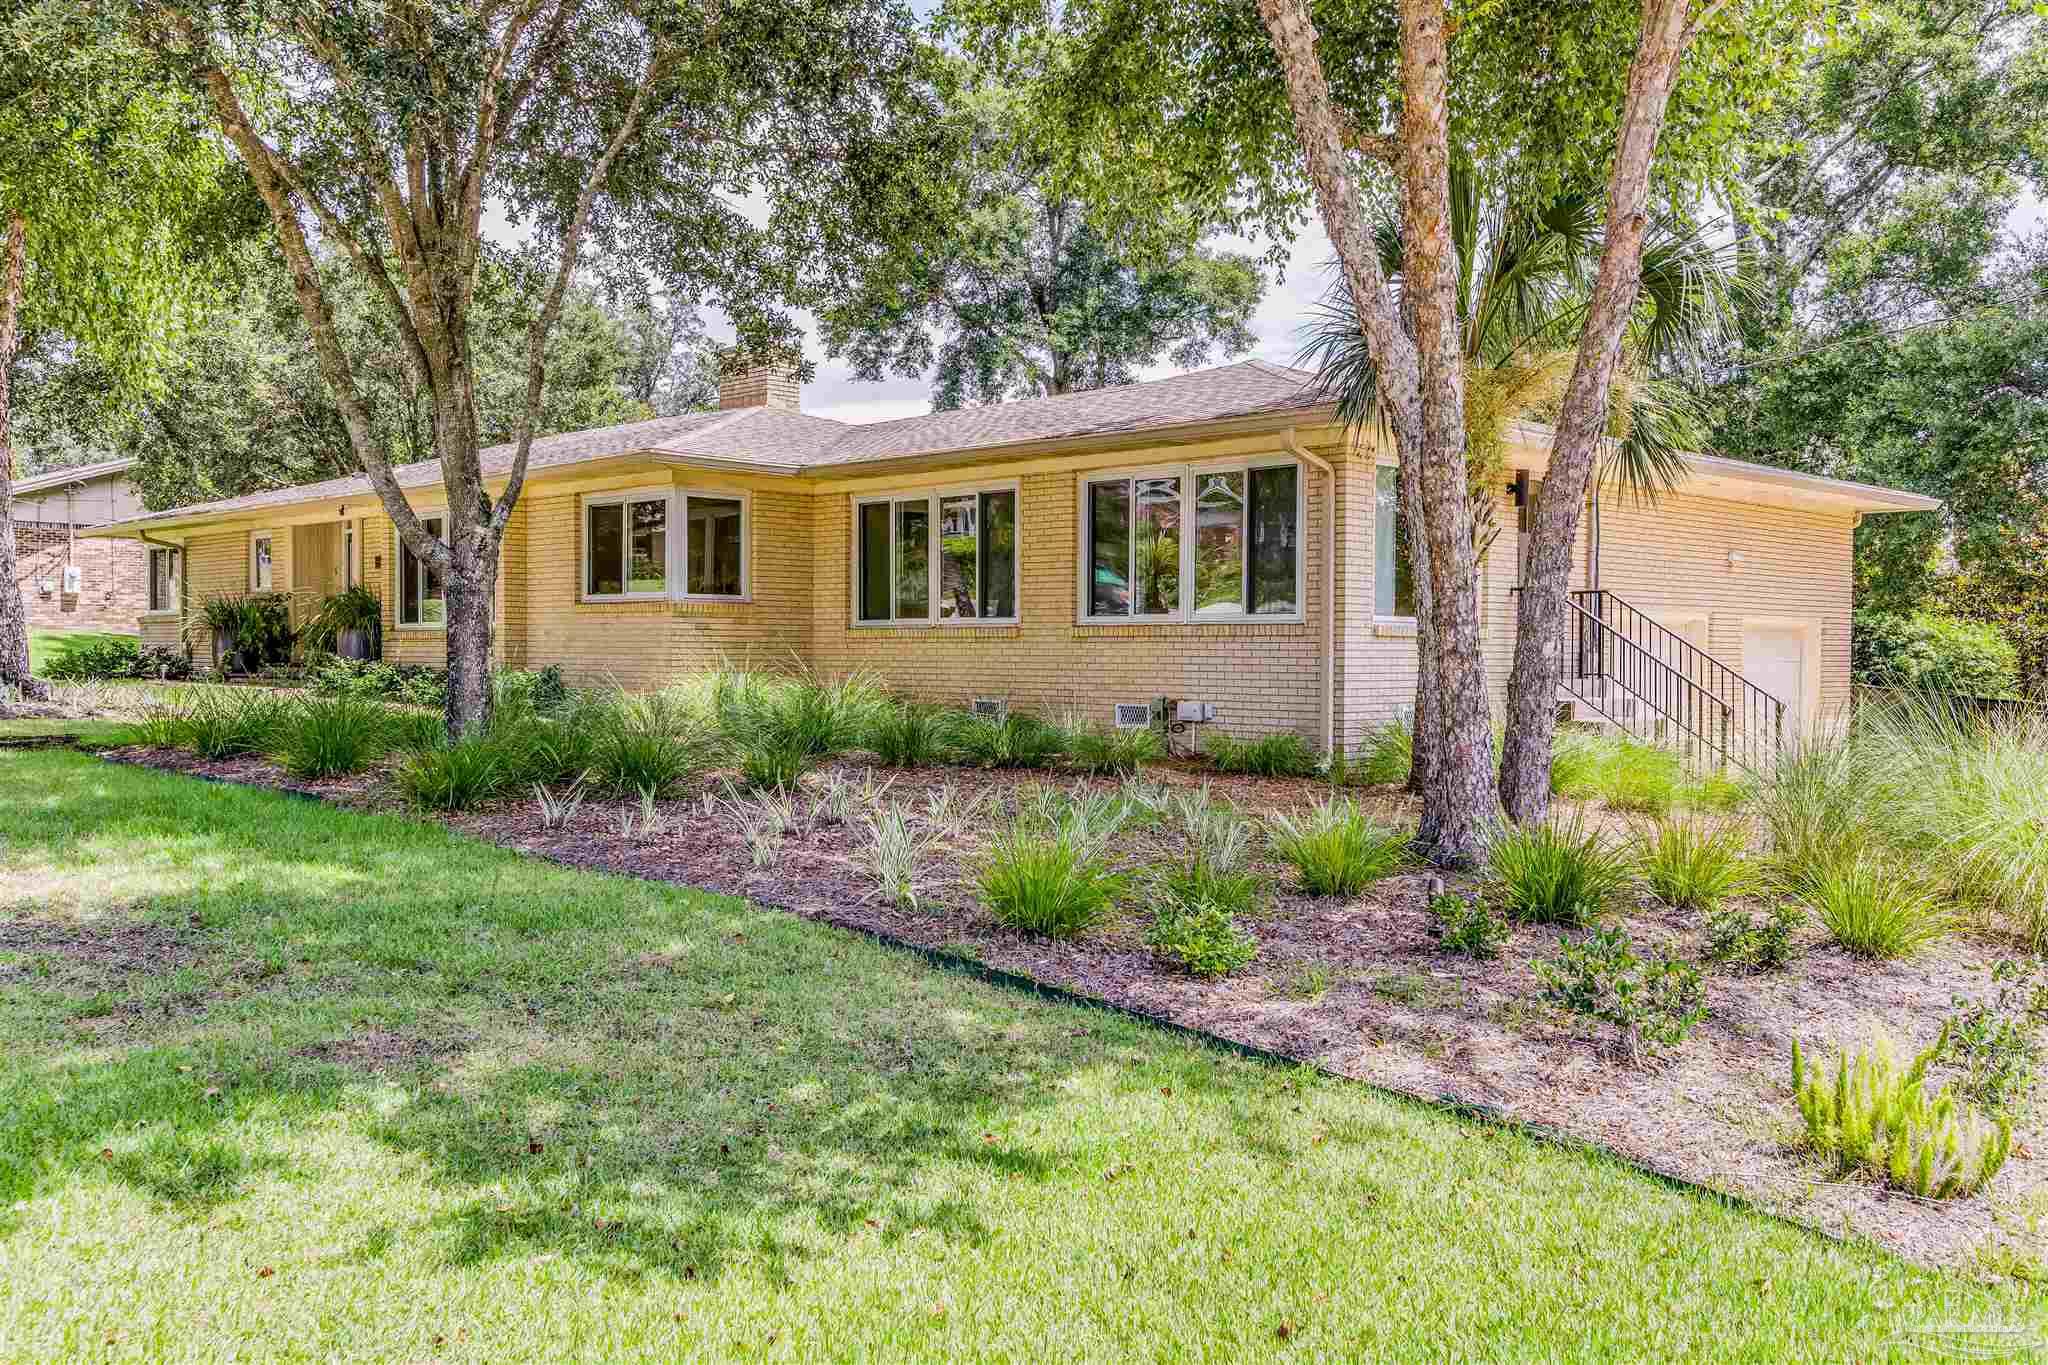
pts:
pixel 777 441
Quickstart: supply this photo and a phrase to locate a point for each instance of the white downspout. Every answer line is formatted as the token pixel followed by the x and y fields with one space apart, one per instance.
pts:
pixel 1330 542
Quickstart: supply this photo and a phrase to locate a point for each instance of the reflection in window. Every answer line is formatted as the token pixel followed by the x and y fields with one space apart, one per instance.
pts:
pixel 1219 544
pixel 606 573
pixel 715 547
pixel 1155 548
pixel 874 561
pixel 1273 576
pixel 1393 579
pixel 648 566
pixel 1109 552
pixel 421 599
pixel 913 560
pixel 959 557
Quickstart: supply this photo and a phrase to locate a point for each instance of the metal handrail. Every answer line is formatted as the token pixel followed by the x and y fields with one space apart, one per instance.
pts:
pixel 1698 694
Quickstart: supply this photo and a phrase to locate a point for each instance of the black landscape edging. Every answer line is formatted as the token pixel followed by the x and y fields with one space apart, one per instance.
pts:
pixel 1447 1103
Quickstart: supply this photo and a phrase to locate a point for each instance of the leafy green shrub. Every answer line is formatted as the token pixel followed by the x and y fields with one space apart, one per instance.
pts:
pixel 1744 942
pixel 1199 938
pixel 1874 909
pixel 908 735
pixel 1468 926
pixel 1932 653
pixel 1653 1002
pixel 1282 754
pixel 1871 1114
pixel 330 737
pixel 1997 1041
pixel 1389 753
pixel 1694 865
pixel 1056 883
pixel 458 776
pixel 1105 751
pixel 1336 850
pixel 353 608
pixel 540 690
pixel 107 657
pixel 226 723
pixel 1012 740
pixel 1561 872
pixel 409 684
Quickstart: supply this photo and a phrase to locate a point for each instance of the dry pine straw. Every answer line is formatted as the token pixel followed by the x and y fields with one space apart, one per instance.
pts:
pixel 1397 1010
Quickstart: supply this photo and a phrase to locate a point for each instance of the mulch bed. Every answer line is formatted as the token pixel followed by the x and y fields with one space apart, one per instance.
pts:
pixel 1362 988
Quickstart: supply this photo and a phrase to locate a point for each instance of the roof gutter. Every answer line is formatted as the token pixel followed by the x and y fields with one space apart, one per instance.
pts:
pixel 1330 542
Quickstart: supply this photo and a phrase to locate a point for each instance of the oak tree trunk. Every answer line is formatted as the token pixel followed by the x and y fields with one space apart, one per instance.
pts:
pixel 1582 422
pixel 14 663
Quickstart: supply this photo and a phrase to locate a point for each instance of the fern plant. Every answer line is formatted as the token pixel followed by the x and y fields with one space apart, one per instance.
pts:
pixel 1869 1113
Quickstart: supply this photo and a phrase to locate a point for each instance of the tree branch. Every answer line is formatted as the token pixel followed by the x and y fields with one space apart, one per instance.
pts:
pixel 551 308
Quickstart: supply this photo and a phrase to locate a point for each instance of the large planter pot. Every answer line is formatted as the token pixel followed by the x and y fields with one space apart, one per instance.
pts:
pixel 353 644
pixel 223 653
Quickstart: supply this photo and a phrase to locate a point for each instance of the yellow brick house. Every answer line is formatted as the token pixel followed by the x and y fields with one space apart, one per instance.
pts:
pixel 1212 538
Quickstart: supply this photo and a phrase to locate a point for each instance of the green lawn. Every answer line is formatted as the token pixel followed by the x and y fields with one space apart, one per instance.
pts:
pixel 91 731
pixel 629 1122
pixel 45 644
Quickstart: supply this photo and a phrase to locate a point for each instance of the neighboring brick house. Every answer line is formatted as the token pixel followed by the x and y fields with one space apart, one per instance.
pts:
pixel 69 580
pixel 1164 540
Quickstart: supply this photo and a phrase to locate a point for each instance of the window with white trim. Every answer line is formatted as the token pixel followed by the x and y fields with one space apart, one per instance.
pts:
pixel 1209 542
pixel 260 572
pixel 422 597
pixel 1393 580
pixel 163 580
pixel 949 558
pixel 629 553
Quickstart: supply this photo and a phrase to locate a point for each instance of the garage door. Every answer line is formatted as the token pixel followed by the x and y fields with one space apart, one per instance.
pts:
pixel 1774 658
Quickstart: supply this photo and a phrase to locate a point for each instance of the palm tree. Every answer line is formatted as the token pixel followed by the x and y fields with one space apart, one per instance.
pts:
pixel 1524 274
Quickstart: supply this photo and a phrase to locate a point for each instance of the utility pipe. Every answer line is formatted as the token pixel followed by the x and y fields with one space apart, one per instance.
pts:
pixel 1330 543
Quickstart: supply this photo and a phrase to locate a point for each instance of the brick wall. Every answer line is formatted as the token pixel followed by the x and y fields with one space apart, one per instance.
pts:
pixel 114 578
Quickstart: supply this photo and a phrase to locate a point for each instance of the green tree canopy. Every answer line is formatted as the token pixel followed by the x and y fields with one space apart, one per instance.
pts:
pixel 1027 295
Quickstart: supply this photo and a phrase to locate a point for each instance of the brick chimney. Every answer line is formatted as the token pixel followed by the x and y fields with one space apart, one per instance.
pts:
pixel 761 386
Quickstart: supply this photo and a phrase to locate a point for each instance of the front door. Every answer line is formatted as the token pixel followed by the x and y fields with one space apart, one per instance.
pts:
pixel 1774 658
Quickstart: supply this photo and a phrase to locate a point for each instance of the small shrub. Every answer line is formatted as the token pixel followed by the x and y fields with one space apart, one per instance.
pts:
pixel 1997 1041
pixel 227 723
pixel 1200 938
pixel 1336 850
pixel 1932 653
pixel 891 855
pixel 1873 1115
pixel 907 735
pixel 114 656
pixel 1056 884
pixel 408 684
pixel 458 776
pixel 330 737
pixel 1283 754
pixel 1012 740
pixel 1468 926
pixel 1744 942
pixel 1653 1002
pixel 1105 751
pixel 1873 909
pixel 1561 872
pixel 1693 865
pixel 542 691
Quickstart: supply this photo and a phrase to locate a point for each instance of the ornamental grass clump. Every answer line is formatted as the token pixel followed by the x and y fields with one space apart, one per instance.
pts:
pixel 1561 872
pixel 316 738
pixel 1874 908
pixel 228 723
pixel 892 855
pixel 1058 882
pixel 1695 864
pixel 909 735
pixel 1106 752
pixel 457 776
pixel 1217 871
pixel 1867 1113
pixel 640 744
pixel 1011 740
pixel 1284 754
pixel 773 728
pixel 1335 850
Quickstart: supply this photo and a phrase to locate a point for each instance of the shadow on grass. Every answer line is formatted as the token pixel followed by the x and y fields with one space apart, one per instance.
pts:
pixel 771 1087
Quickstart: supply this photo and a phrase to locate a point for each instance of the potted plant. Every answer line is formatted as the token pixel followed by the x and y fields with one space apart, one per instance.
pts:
pixel 222 618
pixel 347 623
